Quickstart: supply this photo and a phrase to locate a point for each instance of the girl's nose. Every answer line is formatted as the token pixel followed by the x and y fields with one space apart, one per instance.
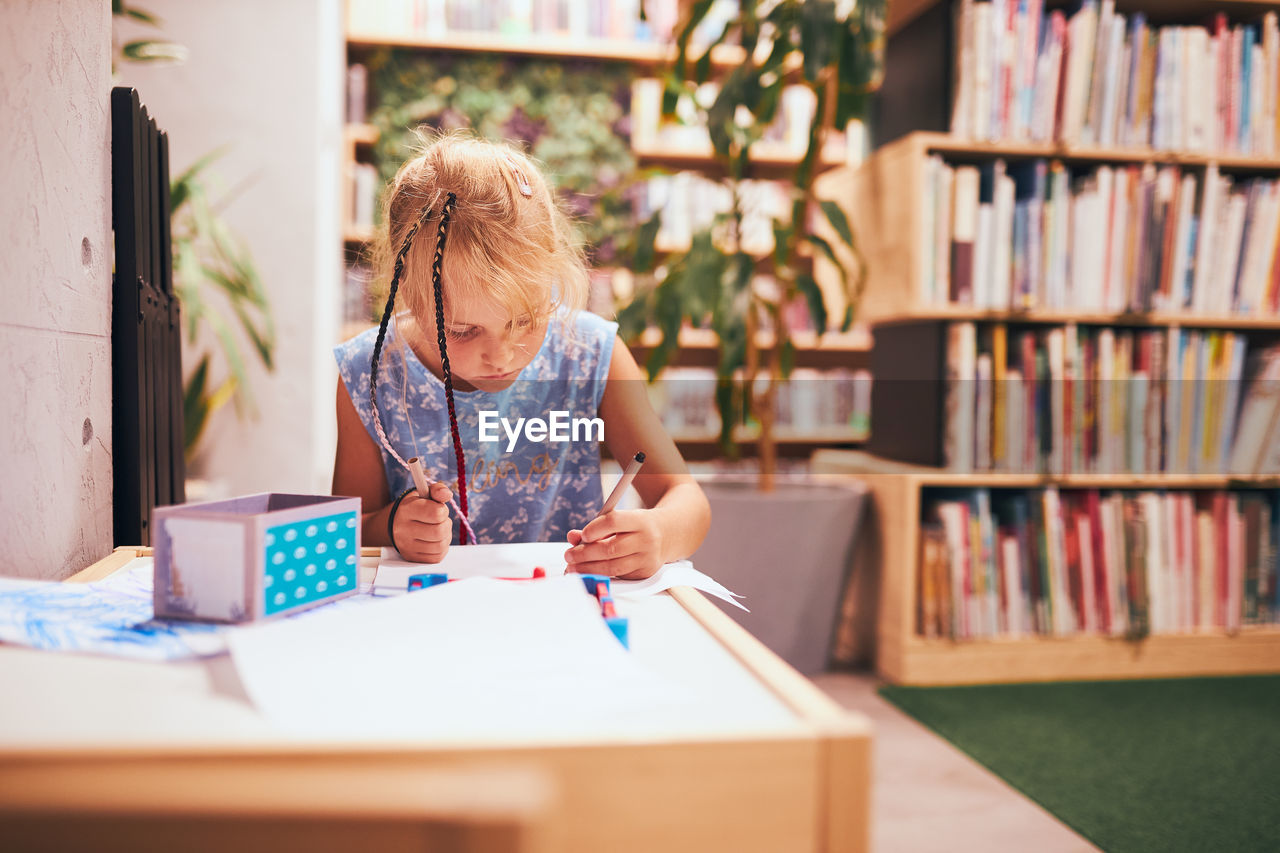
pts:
pixel 502 351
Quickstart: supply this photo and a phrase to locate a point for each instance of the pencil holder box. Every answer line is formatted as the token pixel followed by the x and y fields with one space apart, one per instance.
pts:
pixel 255 557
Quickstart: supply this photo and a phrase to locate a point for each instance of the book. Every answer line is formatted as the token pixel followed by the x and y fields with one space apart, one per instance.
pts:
pixel 958 441
pixel 964 224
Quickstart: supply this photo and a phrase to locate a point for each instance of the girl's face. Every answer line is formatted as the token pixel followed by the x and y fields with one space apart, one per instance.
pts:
pixel 487 350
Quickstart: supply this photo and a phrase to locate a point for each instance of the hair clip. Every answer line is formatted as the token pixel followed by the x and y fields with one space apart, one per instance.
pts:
pixel 522 183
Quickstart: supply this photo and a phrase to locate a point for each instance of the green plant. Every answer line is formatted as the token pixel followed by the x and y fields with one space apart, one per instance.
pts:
pixel 836 51
pixel 219 288
pixel 141 50
pixel 213 275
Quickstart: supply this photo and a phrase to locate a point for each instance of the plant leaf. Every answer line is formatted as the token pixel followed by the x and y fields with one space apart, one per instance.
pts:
pixel 150 50
pixel 633 318
pixel 646 235
pixel 195 406
pixel 781 242
pixel 187 183
pixel 787 357
pixel 835 215
pixel 846 323
pixel 818 29
pixel 813 295
pixel 728 395
pixel 234 362
pixel 144 17
pixel 825 247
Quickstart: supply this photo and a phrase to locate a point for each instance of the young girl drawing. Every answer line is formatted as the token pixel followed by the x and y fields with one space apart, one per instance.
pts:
pixel 492 285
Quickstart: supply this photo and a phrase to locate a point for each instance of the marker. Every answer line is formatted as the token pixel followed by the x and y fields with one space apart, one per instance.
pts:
pixel 420 481
pixel 423 487
pixel 627 476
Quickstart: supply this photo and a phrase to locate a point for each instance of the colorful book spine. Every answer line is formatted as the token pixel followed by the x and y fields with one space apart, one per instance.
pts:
pixel 1096 77
pixel 1055 562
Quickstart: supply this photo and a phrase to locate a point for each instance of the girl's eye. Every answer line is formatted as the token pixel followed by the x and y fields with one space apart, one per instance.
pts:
pixel 461 334
pixel 524 323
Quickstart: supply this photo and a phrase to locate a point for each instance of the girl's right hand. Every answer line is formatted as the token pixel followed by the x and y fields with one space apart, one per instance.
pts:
pixel 423 528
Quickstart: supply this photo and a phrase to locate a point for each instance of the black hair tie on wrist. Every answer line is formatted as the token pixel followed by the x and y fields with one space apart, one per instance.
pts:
pixel 391 518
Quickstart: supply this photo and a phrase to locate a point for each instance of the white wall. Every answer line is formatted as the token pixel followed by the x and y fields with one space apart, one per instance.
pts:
pixel 264 80
pixel 55 300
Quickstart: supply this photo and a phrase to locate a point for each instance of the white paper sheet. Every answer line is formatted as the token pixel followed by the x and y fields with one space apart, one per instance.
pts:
pixel 679 573
pixel 464 659
pixel 519 559
pixel 516 560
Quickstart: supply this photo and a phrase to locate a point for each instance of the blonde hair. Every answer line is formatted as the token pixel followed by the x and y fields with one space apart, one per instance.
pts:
pixel 509 242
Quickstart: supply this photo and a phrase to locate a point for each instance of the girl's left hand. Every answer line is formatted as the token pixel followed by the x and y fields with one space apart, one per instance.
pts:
pixel 624 544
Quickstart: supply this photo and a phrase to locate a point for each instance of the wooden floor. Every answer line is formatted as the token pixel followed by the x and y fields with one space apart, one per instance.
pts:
pixel 928 796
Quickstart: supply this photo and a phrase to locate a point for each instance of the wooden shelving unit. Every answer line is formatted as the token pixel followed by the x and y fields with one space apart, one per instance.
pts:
pixel 926 477
pixel 767 161
pixel 645 55
pixel 884 196
pixel 903 656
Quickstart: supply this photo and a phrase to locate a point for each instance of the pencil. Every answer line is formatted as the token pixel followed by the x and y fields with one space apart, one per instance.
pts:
pixel 627 476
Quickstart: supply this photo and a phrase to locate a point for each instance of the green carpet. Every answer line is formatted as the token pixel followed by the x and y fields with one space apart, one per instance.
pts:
pixel 1133 766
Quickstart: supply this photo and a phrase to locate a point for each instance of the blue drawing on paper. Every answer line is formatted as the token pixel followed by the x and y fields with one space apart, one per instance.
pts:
pixel 113 617
pixel 309 561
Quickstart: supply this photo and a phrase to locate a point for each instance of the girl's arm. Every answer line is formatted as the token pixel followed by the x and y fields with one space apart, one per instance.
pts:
pixel 635 543
pixel 423 528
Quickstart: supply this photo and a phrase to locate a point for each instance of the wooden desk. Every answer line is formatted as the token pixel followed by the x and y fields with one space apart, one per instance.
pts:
pixel 782 769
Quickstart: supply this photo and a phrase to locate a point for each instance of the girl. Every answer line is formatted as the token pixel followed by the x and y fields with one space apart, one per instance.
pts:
pixel 494 284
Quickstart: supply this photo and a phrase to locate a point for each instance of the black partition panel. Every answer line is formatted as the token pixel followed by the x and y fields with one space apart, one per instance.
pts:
pixel 146 352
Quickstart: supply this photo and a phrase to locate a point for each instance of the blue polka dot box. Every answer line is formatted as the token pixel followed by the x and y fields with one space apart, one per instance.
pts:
pixel 255 557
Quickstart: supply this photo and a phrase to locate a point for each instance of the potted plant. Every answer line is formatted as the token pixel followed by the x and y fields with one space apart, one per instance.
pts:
pixel 835 50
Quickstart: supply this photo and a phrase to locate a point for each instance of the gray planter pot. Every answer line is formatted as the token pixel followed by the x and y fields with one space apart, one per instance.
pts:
pixel 788 553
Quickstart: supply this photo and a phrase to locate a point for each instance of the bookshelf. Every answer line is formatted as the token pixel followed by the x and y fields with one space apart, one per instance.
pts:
pixel 895 214
pixel 768 162
pixel 643 55
pixel 903 656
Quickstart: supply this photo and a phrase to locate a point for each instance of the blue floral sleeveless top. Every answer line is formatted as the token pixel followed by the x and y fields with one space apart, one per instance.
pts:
pixel 535 492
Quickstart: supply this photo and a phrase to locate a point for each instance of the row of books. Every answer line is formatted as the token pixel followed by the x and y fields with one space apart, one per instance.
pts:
pixel 787 134
pixel 1071 399
pixel 827 403
pixel 689 202
pixel 1012 563
pixel 1040 234
pixel 1097 77
pixel 603 19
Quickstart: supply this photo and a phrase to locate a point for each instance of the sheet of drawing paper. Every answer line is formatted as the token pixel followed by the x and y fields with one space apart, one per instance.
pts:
pixel 519 559
pixel 515 560
pixel 679 573
pixel 108 617
pixel 476 658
